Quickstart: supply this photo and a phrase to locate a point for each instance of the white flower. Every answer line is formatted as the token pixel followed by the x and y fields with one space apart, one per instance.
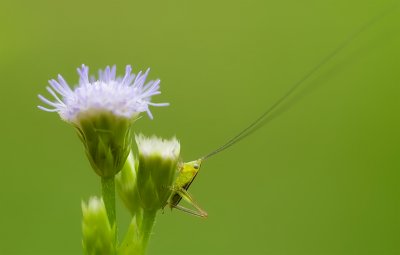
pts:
pixel 157 167
pixel 125 96
pixel 167 149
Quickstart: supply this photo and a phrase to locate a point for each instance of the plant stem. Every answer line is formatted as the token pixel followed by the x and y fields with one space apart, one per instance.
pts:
pixel 108 192
pixel 146 228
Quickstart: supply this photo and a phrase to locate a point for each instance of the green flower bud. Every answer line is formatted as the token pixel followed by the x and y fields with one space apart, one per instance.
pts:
pixel 158 161
pixel 98 236
pixel 126 186
pixel 107 140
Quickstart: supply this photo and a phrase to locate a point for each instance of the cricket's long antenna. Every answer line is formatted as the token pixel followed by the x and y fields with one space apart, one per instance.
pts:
pixel 282 99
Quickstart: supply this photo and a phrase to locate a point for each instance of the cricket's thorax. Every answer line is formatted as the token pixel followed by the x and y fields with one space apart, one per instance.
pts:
pixel 187 173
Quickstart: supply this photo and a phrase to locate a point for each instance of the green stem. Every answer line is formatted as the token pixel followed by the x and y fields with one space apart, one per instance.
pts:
pixel 146 228
pixel 108 192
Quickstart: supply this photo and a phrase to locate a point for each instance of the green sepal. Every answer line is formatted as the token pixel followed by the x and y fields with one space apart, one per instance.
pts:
pixel 107 139
pixel 155 179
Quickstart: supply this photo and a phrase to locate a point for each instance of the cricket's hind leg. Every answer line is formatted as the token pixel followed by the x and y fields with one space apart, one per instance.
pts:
pixel 188 198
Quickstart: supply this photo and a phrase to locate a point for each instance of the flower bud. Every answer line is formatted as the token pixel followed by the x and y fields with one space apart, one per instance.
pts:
pixel 158 159
pixel 127 187
pixel 98 236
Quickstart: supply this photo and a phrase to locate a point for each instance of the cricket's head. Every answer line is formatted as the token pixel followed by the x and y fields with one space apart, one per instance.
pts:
pixel 192 166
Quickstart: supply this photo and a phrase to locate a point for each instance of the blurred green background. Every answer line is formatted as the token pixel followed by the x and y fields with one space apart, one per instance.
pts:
pixel 321 178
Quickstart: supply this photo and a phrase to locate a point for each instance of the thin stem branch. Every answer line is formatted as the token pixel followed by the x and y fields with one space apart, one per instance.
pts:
pixel 108 192
pixel 146 228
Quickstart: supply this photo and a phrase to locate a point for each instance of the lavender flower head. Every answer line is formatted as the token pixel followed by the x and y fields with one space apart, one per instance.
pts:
pixel 103 111
pixel 125 96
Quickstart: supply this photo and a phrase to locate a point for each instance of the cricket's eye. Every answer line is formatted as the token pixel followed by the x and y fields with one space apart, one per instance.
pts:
pixel 196 166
